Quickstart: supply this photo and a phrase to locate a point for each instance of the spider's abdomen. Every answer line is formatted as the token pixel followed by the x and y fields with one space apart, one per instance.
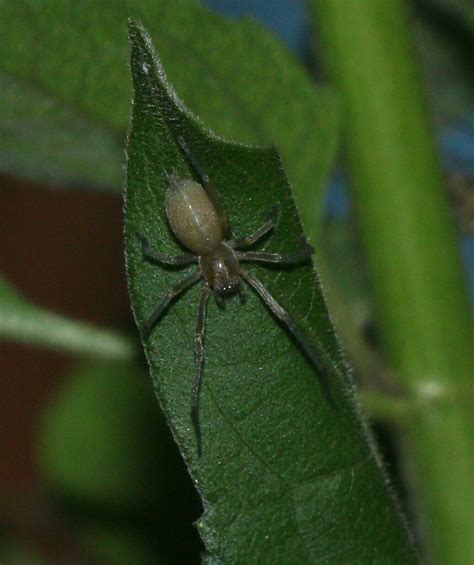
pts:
pixel 192 216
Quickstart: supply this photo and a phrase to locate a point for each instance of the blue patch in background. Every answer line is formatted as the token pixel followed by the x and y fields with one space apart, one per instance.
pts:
pixel 287 19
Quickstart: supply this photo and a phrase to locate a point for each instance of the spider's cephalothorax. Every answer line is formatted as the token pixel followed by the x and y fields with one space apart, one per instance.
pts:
pixel 199 222
pixel 221 270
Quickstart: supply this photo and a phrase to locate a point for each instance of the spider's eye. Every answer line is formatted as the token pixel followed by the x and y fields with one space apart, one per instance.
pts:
pixel 228 286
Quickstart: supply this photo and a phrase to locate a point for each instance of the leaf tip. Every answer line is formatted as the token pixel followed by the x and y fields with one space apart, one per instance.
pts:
pixel 133 27
pixel 137 33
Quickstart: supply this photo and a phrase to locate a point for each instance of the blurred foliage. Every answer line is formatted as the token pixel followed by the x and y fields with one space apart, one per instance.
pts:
pixel 444 31
pixel 66 63
pixel 113 469
pixel 28 323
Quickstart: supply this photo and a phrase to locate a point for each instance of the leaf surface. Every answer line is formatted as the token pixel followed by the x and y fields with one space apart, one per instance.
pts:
pixel 284 476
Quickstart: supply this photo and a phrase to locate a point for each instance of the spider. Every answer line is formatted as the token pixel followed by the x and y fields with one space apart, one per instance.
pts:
pixel 200 223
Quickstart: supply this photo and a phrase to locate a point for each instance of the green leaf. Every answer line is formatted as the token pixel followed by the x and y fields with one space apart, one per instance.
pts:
pixel 27 323
pixel 43 139
pixel 106 454
pixel 100 440
pixel 284 476
pixel 66 89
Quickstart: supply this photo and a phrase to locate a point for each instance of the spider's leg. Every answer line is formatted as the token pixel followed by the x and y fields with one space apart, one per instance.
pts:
pixel 170 296
pixel 281 258
pixel 295 331
pixel 208 185
pixel 156 257
pixel 199 359
pixel 246 242
pixel 219 300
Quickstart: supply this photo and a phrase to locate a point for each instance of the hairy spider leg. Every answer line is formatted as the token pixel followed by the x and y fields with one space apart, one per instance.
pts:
pixel 156 257
pixel 219 300
pixel 199 359
pixel 208 185
pixel 293 328
pixel 172 293
pixel 282 258
pixel 246 242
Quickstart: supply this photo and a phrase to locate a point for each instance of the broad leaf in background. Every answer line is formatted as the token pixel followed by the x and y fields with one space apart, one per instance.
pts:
pixel 106 456
pixel 284 477
pixel 27 323
pixel 43 138
pixel 66 89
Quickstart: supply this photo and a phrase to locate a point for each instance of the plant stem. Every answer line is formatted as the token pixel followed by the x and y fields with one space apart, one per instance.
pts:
pixel 423 308
pixel 37 326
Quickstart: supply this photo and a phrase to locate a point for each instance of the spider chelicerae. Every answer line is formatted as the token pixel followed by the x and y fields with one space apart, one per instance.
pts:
pixel 200 223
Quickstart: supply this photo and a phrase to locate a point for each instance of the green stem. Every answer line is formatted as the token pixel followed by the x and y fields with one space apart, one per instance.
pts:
pixel 423 309
pixel 36 326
